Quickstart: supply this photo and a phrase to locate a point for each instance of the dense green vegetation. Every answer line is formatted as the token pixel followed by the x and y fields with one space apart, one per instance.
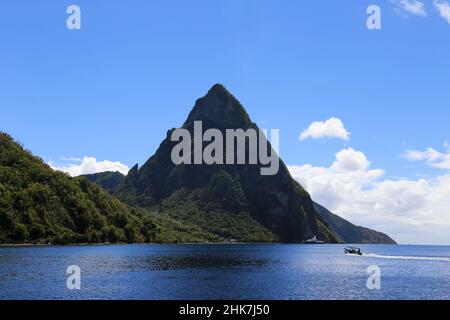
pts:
pixel 185 206
pixel 39 205
pixel 203 209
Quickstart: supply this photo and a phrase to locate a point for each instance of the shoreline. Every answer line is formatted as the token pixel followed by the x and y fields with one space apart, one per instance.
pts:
pixel 12 245
pixel 21 245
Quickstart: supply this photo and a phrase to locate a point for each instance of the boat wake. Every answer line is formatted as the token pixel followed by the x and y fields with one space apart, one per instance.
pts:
pixel 372 255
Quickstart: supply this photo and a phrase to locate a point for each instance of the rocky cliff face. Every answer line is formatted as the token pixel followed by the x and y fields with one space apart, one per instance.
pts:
pixel 236 198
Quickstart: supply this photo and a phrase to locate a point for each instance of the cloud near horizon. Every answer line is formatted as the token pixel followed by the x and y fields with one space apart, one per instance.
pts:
pixel 411 211
pixel 430 156
pixel 331 128
pixel 88 165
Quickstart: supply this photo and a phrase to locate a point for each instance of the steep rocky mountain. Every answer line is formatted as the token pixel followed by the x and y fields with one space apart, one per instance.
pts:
pixel 232 201
pixel 350 233
pixel 39 205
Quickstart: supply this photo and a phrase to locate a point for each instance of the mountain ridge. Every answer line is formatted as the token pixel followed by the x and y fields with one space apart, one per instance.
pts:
pixel 277 204
pixel 350 233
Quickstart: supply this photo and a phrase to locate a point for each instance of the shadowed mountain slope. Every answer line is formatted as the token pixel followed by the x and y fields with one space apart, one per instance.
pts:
pixel 230 200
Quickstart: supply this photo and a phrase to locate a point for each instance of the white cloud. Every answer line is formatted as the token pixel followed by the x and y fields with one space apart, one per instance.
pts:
pixel 411 211
pixel 432 157
pixel 331 128
pixel 444 163
pixel 349 160
pixel 89 165
pixel 429 155
pixel 444 9
pixel 413 7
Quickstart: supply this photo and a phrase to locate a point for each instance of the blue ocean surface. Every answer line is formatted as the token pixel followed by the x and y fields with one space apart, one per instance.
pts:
pixel 277 272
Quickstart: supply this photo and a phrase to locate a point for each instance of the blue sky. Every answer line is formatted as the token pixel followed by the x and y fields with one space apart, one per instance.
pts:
pixel 112 89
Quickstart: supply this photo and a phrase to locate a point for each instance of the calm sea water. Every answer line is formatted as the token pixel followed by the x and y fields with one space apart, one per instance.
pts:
pixel 225 272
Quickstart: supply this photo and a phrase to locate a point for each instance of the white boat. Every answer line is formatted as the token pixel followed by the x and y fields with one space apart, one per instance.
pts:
pixel 314 240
